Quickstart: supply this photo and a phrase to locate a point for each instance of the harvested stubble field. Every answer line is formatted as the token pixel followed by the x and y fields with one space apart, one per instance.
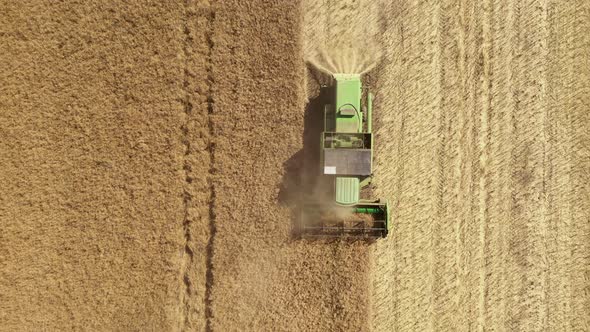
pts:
pixel 151 152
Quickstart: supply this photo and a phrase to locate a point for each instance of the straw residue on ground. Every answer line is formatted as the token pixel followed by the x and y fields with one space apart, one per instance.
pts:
pixel 263 278
pixel 91 165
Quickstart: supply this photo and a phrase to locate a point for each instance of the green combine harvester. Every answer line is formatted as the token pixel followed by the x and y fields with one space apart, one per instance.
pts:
pixel 346 157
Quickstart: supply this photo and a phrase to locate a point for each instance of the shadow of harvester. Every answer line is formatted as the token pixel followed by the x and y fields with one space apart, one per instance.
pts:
pixel 302 177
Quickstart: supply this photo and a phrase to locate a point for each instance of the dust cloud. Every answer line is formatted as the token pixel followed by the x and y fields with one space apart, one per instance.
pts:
pixel 342 58
pixel 342 37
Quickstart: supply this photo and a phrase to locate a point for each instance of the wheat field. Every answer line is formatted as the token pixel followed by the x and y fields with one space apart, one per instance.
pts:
pixel 153 154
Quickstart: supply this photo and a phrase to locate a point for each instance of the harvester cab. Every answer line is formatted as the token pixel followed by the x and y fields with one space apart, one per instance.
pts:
pixel 346 148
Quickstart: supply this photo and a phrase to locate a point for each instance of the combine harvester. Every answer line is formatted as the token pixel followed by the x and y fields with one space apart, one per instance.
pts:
pixel 346 159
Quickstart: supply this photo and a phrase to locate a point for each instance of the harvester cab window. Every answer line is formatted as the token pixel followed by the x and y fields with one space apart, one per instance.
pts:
pixel 348 110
